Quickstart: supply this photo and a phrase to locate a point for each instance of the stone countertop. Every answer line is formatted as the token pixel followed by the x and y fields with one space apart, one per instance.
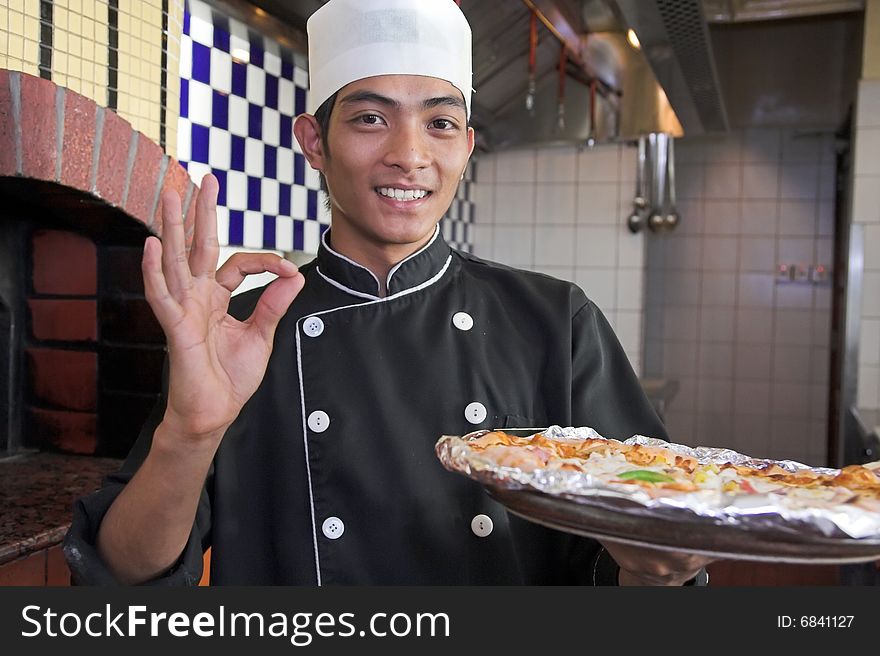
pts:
pixel 38 491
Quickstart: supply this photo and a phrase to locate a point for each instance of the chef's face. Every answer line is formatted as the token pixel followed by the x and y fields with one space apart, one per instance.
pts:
pixel 396 148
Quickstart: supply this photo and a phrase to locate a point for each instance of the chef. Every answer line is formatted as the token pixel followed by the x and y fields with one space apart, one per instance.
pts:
pixel 296 433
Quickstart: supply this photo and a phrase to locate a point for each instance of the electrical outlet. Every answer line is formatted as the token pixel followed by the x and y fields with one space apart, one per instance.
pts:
pixel 783 273
pixel 819 273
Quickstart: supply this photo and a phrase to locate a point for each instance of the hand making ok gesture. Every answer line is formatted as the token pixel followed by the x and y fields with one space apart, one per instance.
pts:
pixel 216 362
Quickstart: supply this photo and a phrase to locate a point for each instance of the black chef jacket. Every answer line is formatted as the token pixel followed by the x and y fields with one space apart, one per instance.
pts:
pixel 329 476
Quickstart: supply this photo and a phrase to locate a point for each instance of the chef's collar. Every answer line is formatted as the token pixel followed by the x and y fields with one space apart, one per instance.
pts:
pixel 417 269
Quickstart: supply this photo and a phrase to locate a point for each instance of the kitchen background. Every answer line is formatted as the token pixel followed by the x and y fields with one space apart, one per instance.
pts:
pixel 754 321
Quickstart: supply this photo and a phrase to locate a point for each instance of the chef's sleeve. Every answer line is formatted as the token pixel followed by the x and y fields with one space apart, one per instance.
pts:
pixel 606 393
pixel 80 542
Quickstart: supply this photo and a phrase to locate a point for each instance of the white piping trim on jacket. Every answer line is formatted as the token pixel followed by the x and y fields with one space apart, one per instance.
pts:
pixel 302 391
pixel 302 400
pixel 339 285
pixel 405 292
pixel 352 262
pixel 398 265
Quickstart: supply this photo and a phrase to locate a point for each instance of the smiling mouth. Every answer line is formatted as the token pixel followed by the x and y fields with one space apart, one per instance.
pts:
pixel 402 194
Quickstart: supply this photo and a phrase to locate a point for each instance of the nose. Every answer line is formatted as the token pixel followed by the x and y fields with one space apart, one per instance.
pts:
pixel 408 148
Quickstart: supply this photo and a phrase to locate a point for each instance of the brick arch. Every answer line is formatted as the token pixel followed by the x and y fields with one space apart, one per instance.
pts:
pixel 49 134
pixel 79 193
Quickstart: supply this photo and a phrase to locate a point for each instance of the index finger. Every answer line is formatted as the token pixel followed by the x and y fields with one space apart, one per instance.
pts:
pixel 241 265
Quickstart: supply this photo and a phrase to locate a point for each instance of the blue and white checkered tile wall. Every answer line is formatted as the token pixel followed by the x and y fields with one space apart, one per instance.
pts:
pixel 239 94
pixel 456 223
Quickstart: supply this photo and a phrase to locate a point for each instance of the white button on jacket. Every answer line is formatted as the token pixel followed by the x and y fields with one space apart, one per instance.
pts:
pixel 462 321
pixel 333 528
pixel 319 421
pixel 313 326
pixel 482 525
pixel 475 412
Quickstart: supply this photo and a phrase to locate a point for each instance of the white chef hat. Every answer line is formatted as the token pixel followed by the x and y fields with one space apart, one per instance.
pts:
pixel 354 39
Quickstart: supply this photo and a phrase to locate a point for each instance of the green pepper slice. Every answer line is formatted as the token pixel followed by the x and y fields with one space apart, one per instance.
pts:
pixel 645 475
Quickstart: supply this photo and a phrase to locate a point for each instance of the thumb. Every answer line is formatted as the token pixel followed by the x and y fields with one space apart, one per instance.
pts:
pixel 274 303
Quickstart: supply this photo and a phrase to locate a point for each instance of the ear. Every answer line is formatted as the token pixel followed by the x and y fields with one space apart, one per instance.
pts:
pixel 308 134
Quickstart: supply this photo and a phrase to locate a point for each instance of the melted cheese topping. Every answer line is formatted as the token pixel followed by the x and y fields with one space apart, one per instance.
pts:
pixel 607 459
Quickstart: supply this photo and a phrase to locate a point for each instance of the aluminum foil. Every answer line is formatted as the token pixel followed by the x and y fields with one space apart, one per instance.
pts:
pixel 767 512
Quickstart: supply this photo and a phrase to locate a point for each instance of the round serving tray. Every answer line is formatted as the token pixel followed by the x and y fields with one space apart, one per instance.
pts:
pixel 685 534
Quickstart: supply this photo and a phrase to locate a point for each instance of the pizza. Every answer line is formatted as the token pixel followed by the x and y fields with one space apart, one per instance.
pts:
pixel 660 471
pixel 579 463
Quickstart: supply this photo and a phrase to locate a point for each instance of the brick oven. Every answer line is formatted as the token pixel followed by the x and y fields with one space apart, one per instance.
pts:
pixel 80 351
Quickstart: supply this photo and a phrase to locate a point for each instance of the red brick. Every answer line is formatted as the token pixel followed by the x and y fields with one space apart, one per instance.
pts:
pixel 29 570
pixel 71 432
pixel 7 126
pixel 57 572
pixel 67 379
pixel 71 321
pixel 79 141
pixel 177 178
pixel 144 176
pixel 113 160
pixel 64 263
pixel 39 144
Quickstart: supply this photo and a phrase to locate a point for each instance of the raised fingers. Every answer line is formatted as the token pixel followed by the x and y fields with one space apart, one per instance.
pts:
pixel 164 306
pixel 241 265
pixel 205 247
pixel 174 261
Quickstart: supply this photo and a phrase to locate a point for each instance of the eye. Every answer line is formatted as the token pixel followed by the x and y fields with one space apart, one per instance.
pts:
pixel 370 119
pixel 443 124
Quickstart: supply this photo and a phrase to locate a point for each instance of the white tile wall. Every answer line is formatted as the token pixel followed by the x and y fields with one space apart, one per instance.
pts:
pixel 598 203
pixel 557 166
pixel 556 203
pixel 562 211
pixel 869 353
pixel 721 217
pixel 595 246
pixel 751 354
pixel 866 211
pixel 554 246
pixel 682 252
pixel 867 146
pixel 759 217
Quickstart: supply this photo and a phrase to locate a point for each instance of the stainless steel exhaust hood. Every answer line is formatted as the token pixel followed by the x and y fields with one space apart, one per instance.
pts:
pixel 675 40
pixel 669 85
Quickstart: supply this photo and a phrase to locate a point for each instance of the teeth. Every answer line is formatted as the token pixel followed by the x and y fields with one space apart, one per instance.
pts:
pixel 402 194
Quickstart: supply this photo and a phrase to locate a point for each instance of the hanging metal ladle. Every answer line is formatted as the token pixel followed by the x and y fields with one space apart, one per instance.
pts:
pixel 657 218
pixel 664 217
pixel 671 219
pixel 636 220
